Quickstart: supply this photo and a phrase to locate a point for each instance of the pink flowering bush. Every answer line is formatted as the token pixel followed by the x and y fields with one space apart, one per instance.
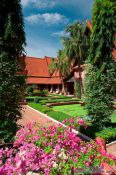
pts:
pixel 52 151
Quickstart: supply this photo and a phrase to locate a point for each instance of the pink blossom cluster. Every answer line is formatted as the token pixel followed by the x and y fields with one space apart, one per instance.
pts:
pixel 52 150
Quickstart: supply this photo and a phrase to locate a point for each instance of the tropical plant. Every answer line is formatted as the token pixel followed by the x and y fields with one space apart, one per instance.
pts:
pixel 101 74
pixel 12 40
pixel 76 47
pixel 61 65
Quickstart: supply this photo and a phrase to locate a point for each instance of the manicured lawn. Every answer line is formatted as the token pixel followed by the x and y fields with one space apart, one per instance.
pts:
pixel 78 110
pixel 75 110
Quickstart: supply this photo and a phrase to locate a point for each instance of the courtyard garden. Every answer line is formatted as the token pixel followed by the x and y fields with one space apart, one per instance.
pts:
pixel 59 149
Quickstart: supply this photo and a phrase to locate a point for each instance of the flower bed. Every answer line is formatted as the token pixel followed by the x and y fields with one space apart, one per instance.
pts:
pixel 52 151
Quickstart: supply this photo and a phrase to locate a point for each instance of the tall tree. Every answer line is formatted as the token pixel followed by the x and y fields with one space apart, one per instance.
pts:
pixel 76 46
pixel 101 75
pixel 12 41
pixel 61 65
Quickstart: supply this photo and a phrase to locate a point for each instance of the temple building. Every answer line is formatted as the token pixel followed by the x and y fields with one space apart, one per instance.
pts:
pixel 38 73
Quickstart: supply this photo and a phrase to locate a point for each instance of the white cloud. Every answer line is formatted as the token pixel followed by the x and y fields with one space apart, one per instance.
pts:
pixel 46 18
pixel 60 33
pixel 25 2
pixel 44 3
pixel 41 4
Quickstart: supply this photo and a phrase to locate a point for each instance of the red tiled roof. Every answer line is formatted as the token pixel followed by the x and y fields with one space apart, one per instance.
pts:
pixel 38 71
pixel 36 67
pixel 37 80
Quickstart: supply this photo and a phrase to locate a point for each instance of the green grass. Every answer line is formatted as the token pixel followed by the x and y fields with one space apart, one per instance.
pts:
pixel 65 111
pixel 73 110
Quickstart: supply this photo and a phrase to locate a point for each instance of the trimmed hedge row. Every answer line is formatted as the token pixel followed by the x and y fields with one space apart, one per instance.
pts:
pixel 32 98
pixel 43 102
pixel 60 116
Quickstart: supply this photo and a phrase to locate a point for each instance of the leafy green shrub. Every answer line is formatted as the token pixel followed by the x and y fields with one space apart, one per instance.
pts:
pixel 44 92
pixel 36 92
pixel 29 90
pixel 35 86
pixel 109 134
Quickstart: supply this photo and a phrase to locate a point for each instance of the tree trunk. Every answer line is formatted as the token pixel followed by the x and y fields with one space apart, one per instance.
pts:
pixel 80 80
pixel 63 87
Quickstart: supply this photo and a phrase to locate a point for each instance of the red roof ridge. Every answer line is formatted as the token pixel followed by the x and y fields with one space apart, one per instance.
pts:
pixel 89 24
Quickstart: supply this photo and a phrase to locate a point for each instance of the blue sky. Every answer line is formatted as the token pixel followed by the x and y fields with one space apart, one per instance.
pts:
pixel 45 21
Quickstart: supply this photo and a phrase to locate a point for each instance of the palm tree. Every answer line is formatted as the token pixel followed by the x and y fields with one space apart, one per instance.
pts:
pixel 61 65
pixel 76 46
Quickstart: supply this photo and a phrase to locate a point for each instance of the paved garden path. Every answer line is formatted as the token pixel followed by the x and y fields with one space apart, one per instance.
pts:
pixel 30 115
pixel 112 149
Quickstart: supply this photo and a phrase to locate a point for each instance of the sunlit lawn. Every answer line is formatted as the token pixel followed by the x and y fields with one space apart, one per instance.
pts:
pixel 77 110
pixel 73 110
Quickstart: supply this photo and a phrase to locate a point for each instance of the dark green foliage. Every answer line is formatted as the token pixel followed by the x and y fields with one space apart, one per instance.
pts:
pixel 99 91
pixel 77 88
pixel 12 40
pixel 37 92
pixel 103 30
pixel 101 74
pixel 29 90
pixel 43 102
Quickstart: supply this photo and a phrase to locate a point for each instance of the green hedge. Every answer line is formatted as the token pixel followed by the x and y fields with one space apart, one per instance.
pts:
pixel 32 98
pixel 40 108
pixel 49 97
pixel 43 102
